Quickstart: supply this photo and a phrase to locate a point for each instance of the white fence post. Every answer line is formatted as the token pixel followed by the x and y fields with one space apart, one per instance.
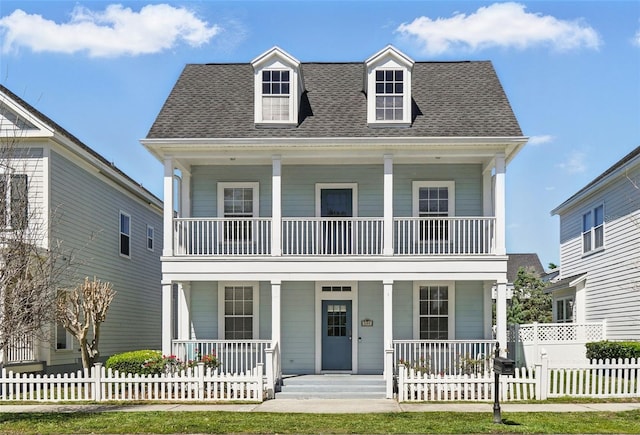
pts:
pixel 402 374
pixel 542 381
pixel 388 354
pixel 201 372
pixel 97 381
pixel 260 379
pixel 271 383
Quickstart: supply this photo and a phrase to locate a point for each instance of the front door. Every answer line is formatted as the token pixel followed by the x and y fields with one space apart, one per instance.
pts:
pixel 336 335
pixel 336 203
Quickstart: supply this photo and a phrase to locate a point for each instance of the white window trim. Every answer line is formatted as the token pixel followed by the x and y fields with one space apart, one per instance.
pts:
pixel 69 340
pixel 244 185
pixel 256 305
pixel 355 332
pixel 10 175
pixel 452 306
pixel 573 313
pixel 354 195
pixel 152 238
pixel 120 233
pixel 450 185
pixel 592 234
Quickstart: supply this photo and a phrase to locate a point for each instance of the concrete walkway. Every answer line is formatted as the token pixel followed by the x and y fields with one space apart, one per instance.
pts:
pixel 330 406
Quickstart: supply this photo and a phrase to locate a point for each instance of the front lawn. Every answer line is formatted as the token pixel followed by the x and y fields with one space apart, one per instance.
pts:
pixel 271 423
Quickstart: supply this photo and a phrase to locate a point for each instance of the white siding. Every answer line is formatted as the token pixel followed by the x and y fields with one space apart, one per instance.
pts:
pixel 86 208
pixel 613 281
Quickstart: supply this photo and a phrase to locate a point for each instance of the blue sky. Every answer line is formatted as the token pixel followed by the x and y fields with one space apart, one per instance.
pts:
pixel 571 70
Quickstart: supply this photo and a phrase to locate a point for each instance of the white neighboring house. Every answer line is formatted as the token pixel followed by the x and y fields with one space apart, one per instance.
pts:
pixel 600 252
pixel 333 212
pixel 112 223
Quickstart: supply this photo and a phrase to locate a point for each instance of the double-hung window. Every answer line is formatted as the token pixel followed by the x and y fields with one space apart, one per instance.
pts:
pixel 433 312
pixel 434 202
pixel 150 237
pixel 238 204
pixel 593 229
pixel 389 94
pixel 239 302
pixel 14 203
pixel 564 310
pixel 276 92
pixel 125 234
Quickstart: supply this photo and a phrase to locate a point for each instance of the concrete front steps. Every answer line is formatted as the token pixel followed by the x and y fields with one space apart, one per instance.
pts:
pixel 332 386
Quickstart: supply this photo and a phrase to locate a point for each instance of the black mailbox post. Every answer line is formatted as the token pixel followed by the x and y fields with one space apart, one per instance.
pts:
pixel 501 366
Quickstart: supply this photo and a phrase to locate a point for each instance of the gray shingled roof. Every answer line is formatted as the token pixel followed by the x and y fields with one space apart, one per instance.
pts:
pixel 450 99
pixel 530 262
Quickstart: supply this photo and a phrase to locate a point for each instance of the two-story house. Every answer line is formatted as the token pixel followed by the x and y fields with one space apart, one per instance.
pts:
pixel 600 252
pixel 103 222
pixel 333 212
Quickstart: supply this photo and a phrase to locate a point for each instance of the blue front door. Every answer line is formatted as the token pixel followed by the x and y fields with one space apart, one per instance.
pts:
pixel 336 335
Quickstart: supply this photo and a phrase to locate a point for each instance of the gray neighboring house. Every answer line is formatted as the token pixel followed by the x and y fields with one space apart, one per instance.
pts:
pixel 112 223
pixel 600 252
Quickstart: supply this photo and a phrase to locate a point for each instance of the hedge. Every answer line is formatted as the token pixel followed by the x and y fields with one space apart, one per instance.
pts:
pixel 613 350
pixel 135 362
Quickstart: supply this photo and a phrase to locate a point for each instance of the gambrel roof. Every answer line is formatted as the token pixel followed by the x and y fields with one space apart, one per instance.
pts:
pixel 449 99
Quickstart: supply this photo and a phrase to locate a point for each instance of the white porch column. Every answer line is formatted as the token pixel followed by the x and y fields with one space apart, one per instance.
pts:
pixel 487 194
pixel 185 194
pixel 501 315
pixel 276 206
pixel 276 312
pixel 388 205
pixel 388 322
pixel 500 205
pixel 184 311
pixel 167 222
pixel 167 317
pixel 487 310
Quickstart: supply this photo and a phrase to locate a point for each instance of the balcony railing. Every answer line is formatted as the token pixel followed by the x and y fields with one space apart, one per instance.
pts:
pixel 452 357
pixel 313 236
pixel 332 236
pixel 220 236
pixel 235 356
pixel 444 236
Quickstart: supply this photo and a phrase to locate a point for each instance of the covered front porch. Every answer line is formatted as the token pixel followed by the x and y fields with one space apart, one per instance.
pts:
pixel 323 327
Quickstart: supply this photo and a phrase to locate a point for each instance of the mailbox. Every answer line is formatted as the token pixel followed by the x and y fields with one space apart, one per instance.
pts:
pixel 504 366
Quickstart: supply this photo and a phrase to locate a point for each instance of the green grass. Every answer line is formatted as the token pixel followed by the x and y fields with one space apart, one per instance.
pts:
pixel 271 423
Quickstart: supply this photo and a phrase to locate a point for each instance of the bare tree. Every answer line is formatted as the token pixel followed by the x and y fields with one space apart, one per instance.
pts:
pixel 32 266
pixel 81 311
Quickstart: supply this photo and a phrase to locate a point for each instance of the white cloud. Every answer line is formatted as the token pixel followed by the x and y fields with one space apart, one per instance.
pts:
pixel 575 163
pixel 499 25
pixel 113 32
pixel 541 139
pixel 636 39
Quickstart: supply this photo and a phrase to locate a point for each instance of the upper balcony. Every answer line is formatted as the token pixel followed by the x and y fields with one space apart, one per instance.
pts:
pixel 322 236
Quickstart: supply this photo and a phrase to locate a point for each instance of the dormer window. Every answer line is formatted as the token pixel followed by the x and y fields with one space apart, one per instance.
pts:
pixel 278 89
pixel 389 95
pixel 387 83
pixel 275 95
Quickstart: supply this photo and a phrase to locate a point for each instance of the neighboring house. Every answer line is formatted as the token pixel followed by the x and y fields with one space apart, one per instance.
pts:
pixel 113 225
pixel 529 262
pixel 334 211
pixel 600 252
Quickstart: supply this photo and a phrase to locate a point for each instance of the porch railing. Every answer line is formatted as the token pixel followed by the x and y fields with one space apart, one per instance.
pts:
pixel 20 349
pixel 332 236
pixel 444 236
pixel 222 236
pixel 448 357
pixel 235 356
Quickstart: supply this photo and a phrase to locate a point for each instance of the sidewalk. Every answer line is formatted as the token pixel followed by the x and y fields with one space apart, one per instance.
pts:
pixel 330 406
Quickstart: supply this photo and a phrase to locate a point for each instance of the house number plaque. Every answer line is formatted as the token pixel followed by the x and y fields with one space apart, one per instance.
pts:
pixel 366 323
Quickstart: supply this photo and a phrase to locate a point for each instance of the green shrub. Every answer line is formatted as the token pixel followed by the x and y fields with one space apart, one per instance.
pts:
pixel 136 362
pixel 613 350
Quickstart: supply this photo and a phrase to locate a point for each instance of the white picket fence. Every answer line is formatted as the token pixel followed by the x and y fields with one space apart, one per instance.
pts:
pixel 597 379
pixel 100 384
pixel 424 387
